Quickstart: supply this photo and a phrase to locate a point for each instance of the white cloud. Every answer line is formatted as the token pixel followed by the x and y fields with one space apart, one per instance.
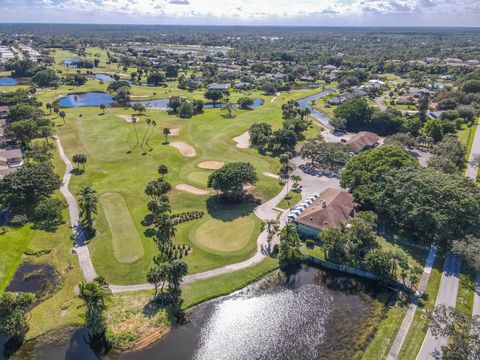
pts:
pixel 276 12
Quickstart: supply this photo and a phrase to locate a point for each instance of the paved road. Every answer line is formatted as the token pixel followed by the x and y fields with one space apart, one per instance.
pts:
pixel 448 291
pixel 472 173
pixel 407 320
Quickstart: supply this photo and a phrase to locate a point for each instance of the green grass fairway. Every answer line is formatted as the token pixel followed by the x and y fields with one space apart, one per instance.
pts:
pixel 126 243
pixel 224 236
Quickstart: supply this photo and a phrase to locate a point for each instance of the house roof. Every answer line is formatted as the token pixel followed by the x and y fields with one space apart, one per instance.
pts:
pixel 362 140
pixel 329 209
pixel 3 109
pixel 11 154
pixel 216 86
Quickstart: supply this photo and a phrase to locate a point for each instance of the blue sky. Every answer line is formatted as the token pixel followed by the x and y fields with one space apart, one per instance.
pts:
pixel 247 12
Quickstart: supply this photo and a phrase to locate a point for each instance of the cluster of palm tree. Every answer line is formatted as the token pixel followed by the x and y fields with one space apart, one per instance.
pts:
pixel 167 268
pixel 94 296
pixel 87 200
pixel 148 132
pixel 272 227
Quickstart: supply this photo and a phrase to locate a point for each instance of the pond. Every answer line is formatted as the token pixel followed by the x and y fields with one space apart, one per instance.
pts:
pixel 9 81
pixel 103 77
pixel 162 104
pixel 308 314
pixel 34 278
pixel 92 98
pixel 304 103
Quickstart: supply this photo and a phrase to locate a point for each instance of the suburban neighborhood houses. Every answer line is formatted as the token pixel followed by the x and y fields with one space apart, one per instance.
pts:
pixel 239 192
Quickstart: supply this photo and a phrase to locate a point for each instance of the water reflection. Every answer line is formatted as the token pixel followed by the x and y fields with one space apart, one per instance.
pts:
pixel 308 314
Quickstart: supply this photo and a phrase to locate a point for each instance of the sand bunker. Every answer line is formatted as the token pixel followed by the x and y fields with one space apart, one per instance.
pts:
pixel 269 174
pixel 191 189
pixel 128 118
pixel 243 141
pixel 174 132
pixel 211 165
pixel 185 149
pixel 139 96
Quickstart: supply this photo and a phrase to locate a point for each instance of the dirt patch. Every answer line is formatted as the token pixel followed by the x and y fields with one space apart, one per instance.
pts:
pixel 185 149
pixel 243 141
pixel 127 118
pixel 175 132
pixel 211 165
pixel 191 189
pixel 269 174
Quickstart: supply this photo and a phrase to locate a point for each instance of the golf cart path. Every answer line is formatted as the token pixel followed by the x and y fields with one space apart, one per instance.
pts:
pixel 264 211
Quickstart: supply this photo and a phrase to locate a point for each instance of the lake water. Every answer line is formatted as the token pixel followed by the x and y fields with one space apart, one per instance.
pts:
pixel 162 104
pixel 103 77
pixel 304 103
pixel 309 314
pixel 9 81
pixel 91 98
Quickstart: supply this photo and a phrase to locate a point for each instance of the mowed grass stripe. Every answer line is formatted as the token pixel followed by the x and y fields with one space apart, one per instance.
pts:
pixel 126 243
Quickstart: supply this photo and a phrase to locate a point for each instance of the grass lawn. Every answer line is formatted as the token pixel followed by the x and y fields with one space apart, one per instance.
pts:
pixel 418 328
pixel 126 243
pixel 291 199
pixel 226 234
pixel 385 334
pixel 13 244
pixel 466 291
pixel 466 135
pixel 203 290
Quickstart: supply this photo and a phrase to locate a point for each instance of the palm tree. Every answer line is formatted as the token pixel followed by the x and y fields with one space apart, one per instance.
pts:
pixel 94 295
pixel 296 179
pixel 87 200
pixel 134 122
pixel 229 108
pixel 154 123
pixel 101 82
pixel 102 107
pixel 163 170
pixel 272 228
pixel 49 107
pixel 149 122
pixel 166 132
pixel 62 115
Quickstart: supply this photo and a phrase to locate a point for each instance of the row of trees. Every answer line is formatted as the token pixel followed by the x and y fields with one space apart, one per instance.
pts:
pixel 423 201
pixel 167 269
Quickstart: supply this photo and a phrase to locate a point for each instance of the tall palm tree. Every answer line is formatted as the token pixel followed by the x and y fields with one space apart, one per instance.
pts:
pixel 166 132
pixel 163 170
pixel 87 200
pixel 149 123
pixel 134 122
pixel 94 295
pixel 272 228
pixel 153 123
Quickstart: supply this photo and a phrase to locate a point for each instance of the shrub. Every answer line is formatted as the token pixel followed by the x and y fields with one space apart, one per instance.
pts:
pixel 18 220
pixel 310 243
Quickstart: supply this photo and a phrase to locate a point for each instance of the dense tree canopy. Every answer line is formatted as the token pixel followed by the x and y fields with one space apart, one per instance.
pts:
pixel 363 171
pixel 428 202
pixel 231 178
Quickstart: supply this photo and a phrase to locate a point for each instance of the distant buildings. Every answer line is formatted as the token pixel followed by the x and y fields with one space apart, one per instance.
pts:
pixel 215 86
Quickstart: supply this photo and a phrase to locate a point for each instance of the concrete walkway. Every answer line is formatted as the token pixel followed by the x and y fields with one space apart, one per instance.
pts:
pixel 407 320
pixel 80 243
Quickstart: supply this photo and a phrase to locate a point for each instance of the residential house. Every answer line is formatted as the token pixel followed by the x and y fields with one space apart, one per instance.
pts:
pixel 11 158
pixel 332 207
pixel 362 140
pixel 215 86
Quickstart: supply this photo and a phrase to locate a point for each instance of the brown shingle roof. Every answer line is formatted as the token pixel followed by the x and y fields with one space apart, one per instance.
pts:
pixel 339 207
pixel 362 140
